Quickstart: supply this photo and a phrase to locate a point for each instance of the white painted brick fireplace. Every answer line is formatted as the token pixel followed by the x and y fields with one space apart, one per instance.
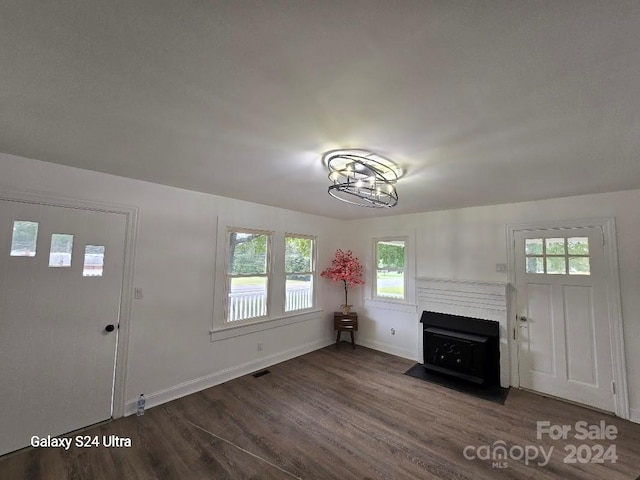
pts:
pixel 485 300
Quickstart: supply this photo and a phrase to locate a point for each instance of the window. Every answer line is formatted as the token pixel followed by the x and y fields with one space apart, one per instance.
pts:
pixel 93 261
pixel 558 256
pixel 390 265
pixel 299 267
pixel 61 250
pixel 248 274
pixel 24 239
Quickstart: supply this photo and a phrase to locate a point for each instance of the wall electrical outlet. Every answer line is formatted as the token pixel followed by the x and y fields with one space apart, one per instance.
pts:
pixel 137 293
pixel 259 346
pixel 501 267
pixel 393 331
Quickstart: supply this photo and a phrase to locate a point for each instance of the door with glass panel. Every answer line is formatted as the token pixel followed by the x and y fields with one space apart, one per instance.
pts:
pixel 61 272
pixel 563 324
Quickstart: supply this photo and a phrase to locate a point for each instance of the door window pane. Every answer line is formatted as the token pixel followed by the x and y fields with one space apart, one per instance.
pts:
pixel 578 245
pixel 556 265
pixel 533 246
pixel 558 257
pixel 93 261
pixel 535 264
pixel 61 249
pixel 555 246
pixel 579 266
pixel 25 238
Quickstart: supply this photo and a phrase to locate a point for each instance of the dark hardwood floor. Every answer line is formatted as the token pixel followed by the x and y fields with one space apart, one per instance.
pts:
pixel 333 414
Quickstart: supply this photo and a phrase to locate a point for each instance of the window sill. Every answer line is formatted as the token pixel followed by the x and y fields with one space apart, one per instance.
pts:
pixel 231 331
pixel 390 304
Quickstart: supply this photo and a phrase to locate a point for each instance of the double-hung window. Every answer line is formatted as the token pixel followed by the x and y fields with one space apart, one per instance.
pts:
pixel 300 268
pixel 389 282
pixel 248 274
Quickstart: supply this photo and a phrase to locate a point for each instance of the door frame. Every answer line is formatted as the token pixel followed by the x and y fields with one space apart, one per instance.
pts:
pixel 126 297
pixel 613 294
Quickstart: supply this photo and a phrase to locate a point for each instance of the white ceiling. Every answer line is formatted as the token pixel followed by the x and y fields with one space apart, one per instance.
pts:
pixel 480 102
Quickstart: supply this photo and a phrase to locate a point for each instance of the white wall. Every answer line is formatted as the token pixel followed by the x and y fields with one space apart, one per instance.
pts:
pixel 466 244
pixel 171 352
pixel 170 349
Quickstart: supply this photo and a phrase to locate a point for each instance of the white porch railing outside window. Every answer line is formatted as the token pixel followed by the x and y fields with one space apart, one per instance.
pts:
pixel 243 305
pixel 299 298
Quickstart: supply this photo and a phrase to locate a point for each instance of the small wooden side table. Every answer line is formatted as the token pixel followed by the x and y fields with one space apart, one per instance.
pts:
pixel 345 322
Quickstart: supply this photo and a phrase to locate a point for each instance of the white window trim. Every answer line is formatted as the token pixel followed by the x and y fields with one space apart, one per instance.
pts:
pixel 313 273
pixel 228 276
pixel 374 277
pixel 232 331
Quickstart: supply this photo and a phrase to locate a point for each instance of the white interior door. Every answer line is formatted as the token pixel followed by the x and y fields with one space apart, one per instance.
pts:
pixel 564 336
pixel 61 273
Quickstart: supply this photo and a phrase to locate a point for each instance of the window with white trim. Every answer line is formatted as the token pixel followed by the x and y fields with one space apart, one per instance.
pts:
pixel 300 271
pixel 390 261
pixel 248 274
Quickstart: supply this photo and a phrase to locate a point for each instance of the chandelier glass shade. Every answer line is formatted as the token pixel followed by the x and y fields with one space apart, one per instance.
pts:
pixel 362 178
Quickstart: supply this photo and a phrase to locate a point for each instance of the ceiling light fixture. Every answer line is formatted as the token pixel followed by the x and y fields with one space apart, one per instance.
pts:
pixel 362 178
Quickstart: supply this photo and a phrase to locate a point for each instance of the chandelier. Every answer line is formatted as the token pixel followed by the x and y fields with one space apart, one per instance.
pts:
pixel 362 178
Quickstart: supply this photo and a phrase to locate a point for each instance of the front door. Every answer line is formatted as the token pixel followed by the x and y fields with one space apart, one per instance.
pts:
pixel 563 324
pixel 61 273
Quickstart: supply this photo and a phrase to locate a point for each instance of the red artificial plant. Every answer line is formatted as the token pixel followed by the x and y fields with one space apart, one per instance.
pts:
pixel 346 268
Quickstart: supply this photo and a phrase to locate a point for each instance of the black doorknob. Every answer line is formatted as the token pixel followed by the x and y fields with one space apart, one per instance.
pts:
pixel 109 328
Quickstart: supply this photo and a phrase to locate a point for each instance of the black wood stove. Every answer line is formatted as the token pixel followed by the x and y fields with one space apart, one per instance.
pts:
pixel 464 347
